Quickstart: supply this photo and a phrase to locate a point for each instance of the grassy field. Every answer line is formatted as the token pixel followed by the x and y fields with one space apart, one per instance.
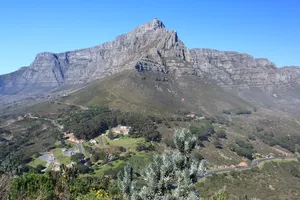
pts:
pixel 58 154
pixel 129 143
pixel 37 162
pixel 110 168
pixel 137 162
pixel 275 180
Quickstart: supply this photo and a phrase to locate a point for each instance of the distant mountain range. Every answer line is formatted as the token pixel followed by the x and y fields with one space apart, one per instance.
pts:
pixel 151 47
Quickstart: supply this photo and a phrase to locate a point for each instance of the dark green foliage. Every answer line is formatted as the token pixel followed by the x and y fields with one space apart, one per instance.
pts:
pixel 243 144
pixel 31 185
pixel 77 157
pixel 58 185
pixel 40 167
pixel 98 154
pixel 243 112
pixel 259 129
pixel 243 148
pixel 221 134
pixel 144 146
pixel 13 165
pixel 196 156
pixel 170 143
pixel 110 135
pixel 243 152
pixel 226 112
pixel 83 185
pixel 251 137
pixel 30 139
pixel 4 131
pixel 202 131
pixel 217 144
pixel 90 123
pixel 287 142
pixel 221 120
pixel 83 169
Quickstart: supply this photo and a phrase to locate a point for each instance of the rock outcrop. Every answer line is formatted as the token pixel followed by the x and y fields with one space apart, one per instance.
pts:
pixel 242 70
pixel 151 41
pixel 148 47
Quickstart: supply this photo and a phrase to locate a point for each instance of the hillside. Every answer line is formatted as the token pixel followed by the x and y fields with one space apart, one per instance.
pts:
pixel 78 118
pixel 153 47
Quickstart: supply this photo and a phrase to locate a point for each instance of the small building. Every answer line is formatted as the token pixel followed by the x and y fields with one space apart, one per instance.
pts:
pixel 121 130
pixel 93 141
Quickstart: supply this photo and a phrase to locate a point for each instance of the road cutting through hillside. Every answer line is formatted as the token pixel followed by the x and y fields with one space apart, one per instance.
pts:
pixel 254 163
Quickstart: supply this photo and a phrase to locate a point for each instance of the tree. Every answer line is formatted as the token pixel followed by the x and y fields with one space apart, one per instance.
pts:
pixel 40 167
pixel 126 182
pixel 110 135
pixel 77 157
pixel 83 169
pixel 166 171
pixel 98 155
pixel 184 141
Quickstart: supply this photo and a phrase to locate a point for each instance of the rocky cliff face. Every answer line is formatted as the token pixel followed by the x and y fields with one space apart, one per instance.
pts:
pixel 242 70
pixel 149 42
pixel 148 47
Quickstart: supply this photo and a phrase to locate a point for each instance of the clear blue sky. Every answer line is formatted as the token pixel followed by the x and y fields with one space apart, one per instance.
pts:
pixel 263 28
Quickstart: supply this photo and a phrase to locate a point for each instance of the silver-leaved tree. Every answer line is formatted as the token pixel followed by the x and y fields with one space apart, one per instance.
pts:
pixel 170 176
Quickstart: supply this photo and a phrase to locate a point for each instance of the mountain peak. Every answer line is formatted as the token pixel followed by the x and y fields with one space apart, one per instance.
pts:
pixel 155 24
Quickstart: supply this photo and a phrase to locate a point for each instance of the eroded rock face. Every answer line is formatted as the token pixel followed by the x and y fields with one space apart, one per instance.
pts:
pixel 242 70
pixel 148 47
pixel 149 41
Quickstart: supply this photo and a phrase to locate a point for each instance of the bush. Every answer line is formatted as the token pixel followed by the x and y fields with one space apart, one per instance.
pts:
pixel 226 112
pixel 40 167
pixel 221 134
pixel 197 156
pixel 98 155
pixel 143 146
pixel 217 144
pixel 83 169
pixel 251 137
pixel 77 157
pixel 170 143
pixel 243 112
pixel 88 124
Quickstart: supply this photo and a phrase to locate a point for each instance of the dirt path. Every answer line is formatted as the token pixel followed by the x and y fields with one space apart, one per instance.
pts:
pixel 101 142
pixel 46 119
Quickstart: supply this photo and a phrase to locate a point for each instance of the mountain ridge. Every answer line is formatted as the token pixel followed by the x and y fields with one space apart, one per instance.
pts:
pixel 147 47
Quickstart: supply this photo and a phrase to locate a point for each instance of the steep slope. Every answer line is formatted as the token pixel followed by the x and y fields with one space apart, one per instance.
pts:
pixel 156 92
pixel 151 47
pixel 258 80
pixel 151 42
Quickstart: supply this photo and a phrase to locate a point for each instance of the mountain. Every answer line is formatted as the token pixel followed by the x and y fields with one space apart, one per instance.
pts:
pixel 151 47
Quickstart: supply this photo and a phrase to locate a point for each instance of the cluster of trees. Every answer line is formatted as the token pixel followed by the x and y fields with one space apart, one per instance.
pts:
pixel 287 142
pixel 145 146
pixel 65 184
pixel 243 112
pixel 243 148
pixel 239 112
pixel 90 123
pixel 202 131
pixel 171 175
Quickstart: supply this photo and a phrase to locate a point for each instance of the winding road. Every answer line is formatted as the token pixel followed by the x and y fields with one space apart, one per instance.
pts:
pixel 254 163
